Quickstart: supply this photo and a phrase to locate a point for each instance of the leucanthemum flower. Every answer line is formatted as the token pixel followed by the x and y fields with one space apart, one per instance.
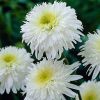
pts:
pixel 14 63
pixel 91 53
pixel 90 91
pixel 50 27
pixel 49 80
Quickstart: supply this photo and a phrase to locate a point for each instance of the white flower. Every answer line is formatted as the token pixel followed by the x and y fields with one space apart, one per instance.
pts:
pixel 14 63
pixel 91 53
pixel 49 80
pixel 90 91
pixel 50 27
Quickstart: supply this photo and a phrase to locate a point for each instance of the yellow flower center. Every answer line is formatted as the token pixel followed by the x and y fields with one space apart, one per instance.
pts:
pixel 48 21
pixel 44 76
pixel 9 58
pixel 97 45
pixel 91 95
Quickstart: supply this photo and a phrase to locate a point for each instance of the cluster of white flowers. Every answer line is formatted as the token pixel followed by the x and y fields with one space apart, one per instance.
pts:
pixel 50 28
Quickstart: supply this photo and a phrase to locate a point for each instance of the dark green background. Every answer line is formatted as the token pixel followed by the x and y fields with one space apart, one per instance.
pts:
pixel 12 15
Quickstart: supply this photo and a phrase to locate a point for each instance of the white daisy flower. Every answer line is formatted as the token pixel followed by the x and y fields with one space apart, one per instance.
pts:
pixel 49 80
pixel 90 91
pixel 50 27
pixel 91 53
pixel 14 63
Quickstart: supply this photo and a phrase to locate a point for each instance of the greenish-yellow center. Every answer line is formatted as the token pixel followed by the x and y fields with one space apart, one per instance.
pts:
pixel 48 21
pixel 97 45
pixel 9 58
pixel 45 19
pixel 90 95
pixel 44 76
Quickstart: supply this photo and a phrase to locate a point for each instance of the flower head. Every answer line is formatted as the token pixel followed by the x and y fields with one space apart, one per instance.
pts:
pixel 14 63
pixel 50 27
pixel 90 91
pixel 49 80
pixel 91 53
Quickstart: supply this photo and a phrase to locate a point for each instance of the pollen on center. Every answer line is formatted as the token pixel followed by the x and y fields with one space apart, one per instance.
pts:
pixel 90 95
pixel 9 58
pixel 44 76
pixel 97 45
pixel 48 20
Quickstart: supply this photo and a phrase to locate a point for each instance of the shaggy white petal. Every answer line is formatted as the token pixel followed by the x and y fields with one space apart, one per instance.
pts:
pixel 90 90
pixel 91 53
pixel 48 81
pixel 14 64
pixel 50 27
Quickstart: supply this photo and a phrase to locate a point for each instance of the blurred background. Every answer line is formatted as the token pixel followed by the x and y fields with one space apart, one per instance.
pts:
pixel 12 15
